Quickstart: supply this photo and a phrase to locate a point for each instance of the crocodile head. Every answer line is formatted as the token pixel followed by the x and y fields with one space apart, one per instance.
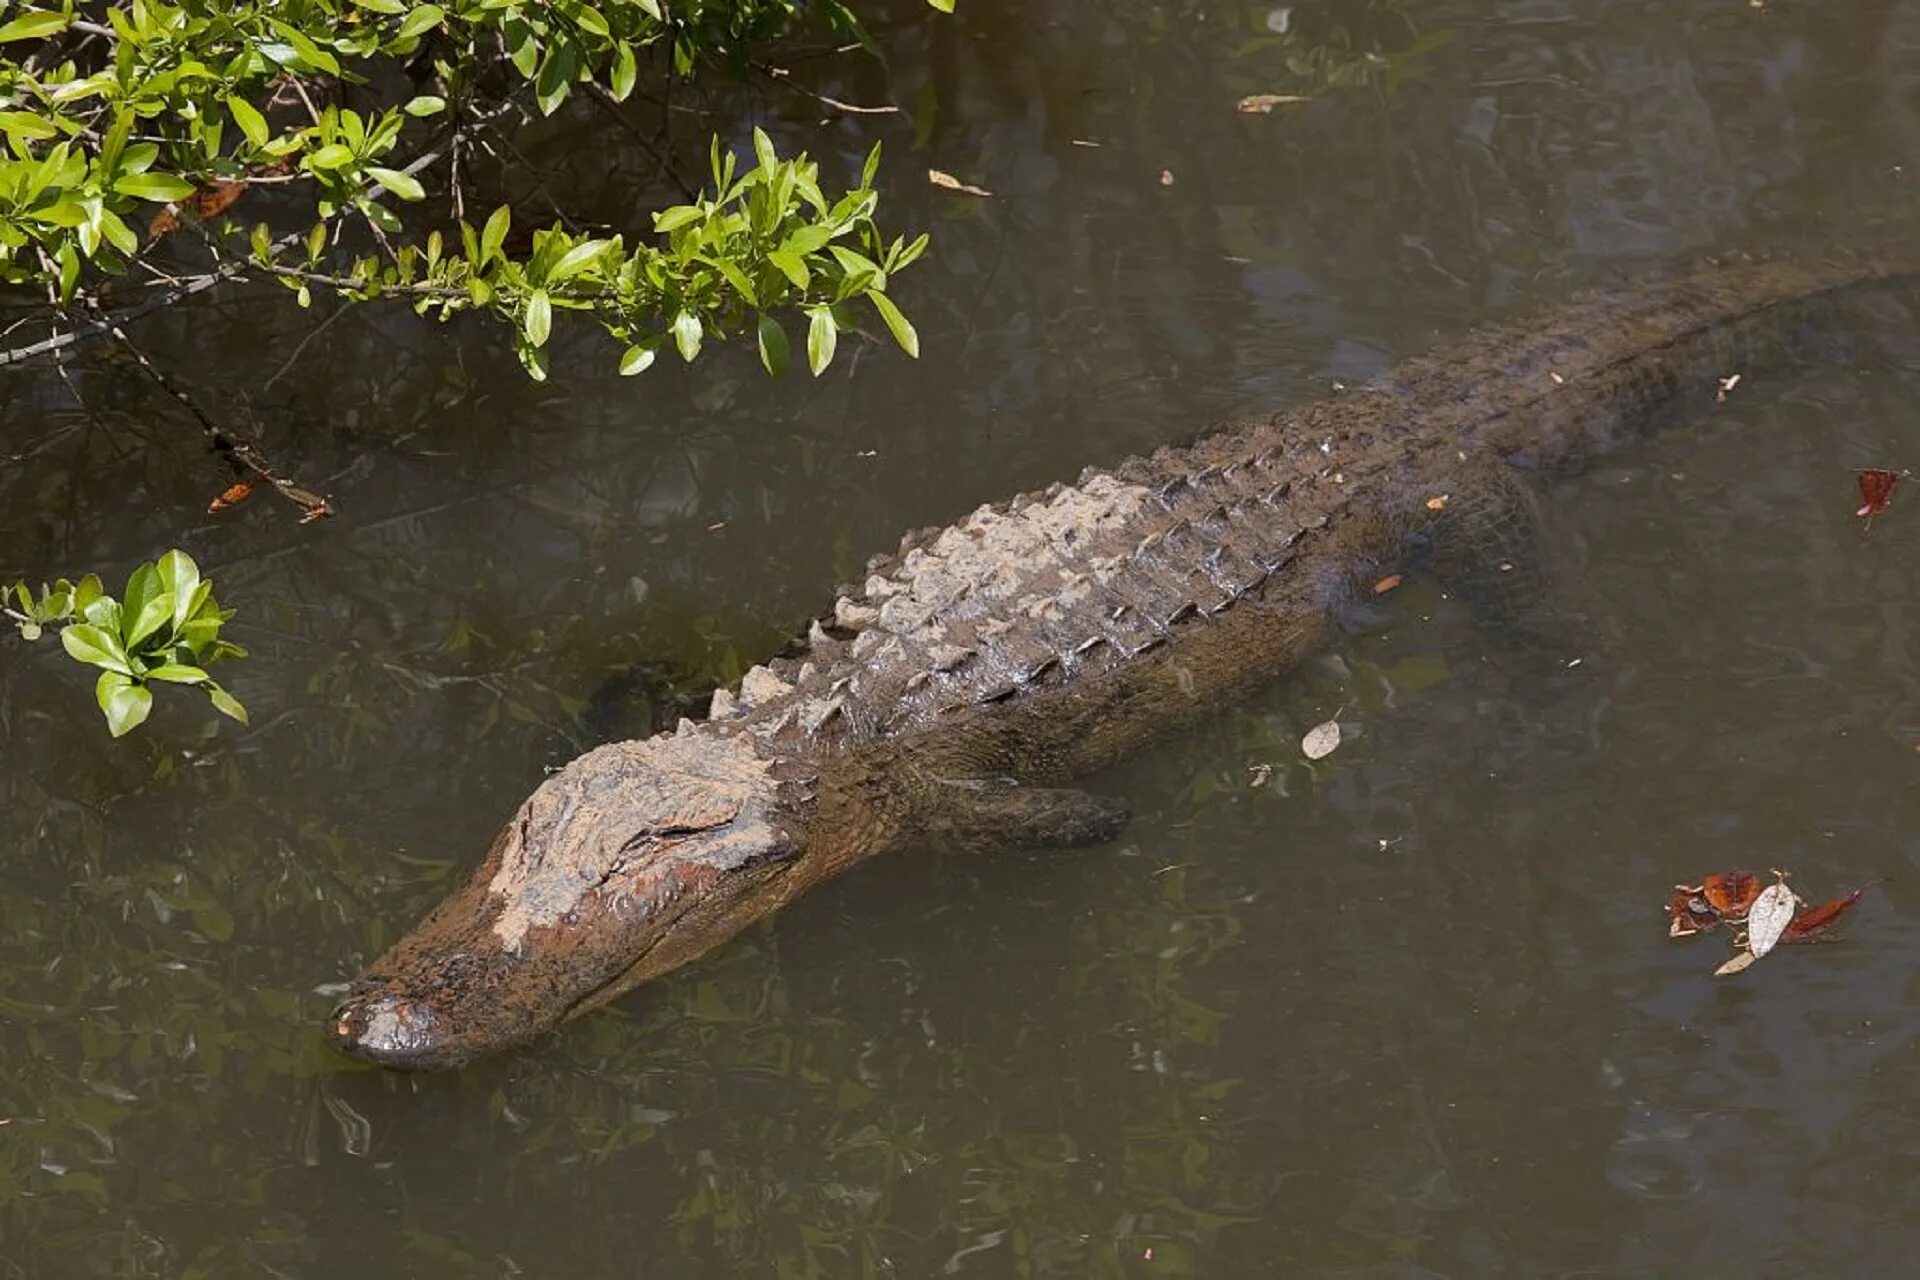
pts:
pixel 635 857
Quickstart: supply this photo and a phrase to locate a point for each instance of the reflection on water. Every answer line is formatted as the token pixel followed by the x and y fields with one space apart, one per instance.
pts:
pixel 1406 1011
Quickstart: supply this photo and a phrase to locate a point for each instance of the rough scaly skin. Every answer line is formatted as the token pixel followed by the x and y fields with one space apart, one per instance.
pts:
pixel 948 697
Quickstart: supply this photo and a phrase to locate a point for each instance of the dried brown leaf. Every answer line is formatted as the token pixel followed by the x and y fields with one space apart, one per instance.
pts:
pixel 947 181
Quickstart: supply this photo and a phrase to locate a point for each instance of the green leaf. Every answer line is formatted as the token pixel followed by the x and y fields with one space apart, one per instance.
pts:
pixel 309 52
pixel 805 240
pixel 687 333
pixel 823 336
pixel 95 646
pixel 225 703
pixel 863 273
pixel 494 234
pixel 126 705
pixel 539 321
pixel 34 24
pixel 24 124
pixel 118 233
pixel 334 155
pixel 735 277
pixel 423 19
pixel 251 122
pixel 773 345
pixel 401 184
pixel 154 186
pixel 901 328
pixel 69 260
pixel 139 157
pixel 177 673
pixel 533 359
pixel 635 360
pixel 763 151
pixel 625 72
pixel 425 105
pixel 944 6
pixel 575 260
pixel 792 266
pixel 678 216
pixel 155 612
pixel 590 20
pixel 180 576
pixel 30 631
pixel 382 6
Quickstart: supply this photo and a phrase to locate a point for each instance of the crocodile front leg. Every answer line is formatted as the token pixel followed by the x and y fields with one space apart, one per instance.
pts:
pixel 995 814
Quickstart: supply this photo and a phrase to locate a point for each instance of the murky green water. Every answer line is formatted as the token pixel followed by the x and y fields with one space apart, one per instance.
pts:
pixel 1410 1012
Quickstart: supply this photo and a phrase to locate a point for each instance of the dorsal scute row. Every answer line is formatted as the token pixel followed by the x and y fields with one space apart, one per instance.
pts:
pixel 1018 594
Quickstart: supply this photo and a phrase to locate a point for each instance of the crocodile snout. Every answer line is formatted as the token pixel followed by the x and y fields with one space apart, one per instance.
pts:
pixel 392 1031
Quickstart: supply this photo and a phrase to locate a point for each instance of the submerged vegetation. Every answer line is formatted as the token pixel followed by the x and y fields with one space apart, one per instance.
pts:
pixel 155 151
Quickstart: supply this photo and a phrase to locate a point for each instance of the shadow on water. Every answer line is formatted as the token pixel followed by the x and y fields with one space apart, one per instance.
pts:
pixel 1404 1011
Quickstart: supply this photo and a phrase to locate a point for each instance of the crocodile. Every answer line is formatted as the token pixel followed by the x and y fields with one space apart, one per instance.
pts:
pixel 952 696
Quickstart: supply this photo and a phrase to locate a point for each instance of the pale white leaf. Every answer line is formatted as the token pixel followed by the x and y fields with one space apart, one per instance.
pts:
pixel 1322 740
pixel 1739 962
pixel 1260 104
pixel 1768 918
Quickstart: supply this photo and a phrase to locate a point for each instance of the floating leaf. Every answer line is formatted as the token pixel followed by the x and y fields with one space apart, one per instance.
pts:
pixel 1322 740
pixel 1740 962
pixel 950 183
pixel 1769 917
pixel 1731 893
pixel 1689 913
pixel 1387 584
pixel 1261 104
pixel 1817 920
pixel 1876 490
pixel 231 496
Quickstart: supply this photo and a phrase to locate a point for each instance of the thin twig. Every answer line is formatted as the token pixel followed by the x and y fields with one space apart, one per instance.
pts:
pixel 242 452
pixel 781 76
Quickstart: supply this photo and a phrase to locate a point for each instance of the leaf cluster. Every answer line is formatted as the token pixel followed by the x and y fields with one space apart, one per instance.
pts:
pixel 164 627
pixel 761 242
pixel 103 121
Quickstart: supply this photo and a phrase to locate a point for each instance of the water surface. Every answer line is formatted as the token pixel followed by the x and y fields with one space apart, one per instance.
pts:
pixel 1407 1012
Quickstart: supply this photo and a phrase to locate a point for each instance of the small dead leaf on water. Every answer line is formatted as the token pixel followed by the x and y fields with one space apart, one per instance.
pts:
pixel 232 496
pixel 1741 961
pixel 1814 921
pixel 1260 104
pixel 1321 741
pixel 1727 384
pixel 1259 774
pixel 1769 917
pixel 1437 503
pixel 1876 490
pixel 1387 584
pixel 947 181
pixel 1731 893
pixel 1166 177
